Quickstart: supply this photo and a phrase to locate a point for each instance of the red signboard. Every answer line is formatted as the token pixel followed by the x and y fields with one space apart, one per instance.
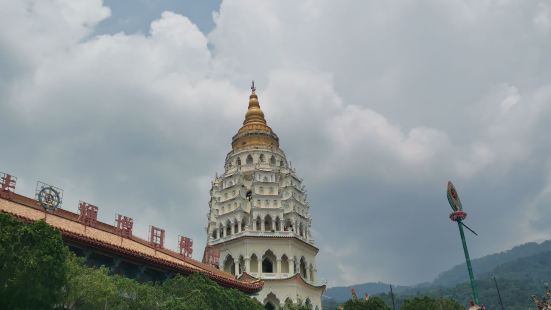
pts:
pixel 88 213
pixel 157 236
pixel 186 246
pixel 7 182
pixel 124 225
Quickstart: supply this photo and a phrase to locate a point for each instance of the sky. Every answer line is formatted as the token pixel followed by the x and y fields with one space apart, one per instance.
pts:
pixel 131 106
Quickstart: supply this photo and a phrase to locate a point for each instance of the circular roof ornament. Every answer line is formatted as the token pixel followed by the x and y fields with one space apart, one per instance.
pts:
pixel 49 198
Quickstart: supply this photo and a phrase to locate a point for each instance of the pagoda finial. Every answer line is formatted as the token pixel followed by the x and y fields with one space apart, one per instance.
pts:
pixel 253 89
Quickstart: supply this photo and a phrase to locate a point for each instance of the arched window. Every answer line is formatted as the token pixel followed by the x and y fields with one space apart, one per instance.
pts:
pixel 258 222
pixel 277 224
pixel 268 223
pixel 238 161
pixel 254 263
pixel 229 265
pixel 272 160
pixel 243 225
pixel 281 163
pixel 267 266
pixel 300 230
pixel 308 303
pixel 289 304
pixel 235 226
pixel 284 264
pixel 228 228
pixel 271 301
pixel 221 230
pixel 302 267
pixel 311 272
pixel 249 159
pixel 261 158
pixel 214 233
pixel 268 262
pixel 265 179
pixel 288 225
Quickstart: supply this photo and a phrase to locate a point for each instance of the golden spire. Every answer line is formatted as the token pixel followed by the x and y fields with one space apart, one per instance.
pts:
pixel 255 130
pixel 254 115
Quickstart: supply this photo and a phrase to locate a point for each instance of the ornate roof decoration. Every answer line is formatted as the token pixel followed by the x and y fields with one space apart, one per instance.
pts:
pixel 255 130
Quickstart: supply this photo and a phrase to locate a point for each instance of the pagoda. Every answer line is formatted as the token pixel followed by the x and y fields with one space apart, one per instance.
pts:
pixel 259 218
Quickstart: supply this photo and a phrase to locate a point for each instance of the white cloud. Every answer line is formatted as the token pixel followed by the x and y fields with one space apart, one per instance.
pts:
pixel 369 99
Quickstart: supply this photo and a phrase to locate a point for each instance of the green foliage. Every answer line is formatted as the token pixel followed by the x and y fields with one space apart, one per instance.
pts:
pixel 289 305
pixel 32 268
pixel 373 303
pixel 429 303
pixel 199 292
pixel 93 288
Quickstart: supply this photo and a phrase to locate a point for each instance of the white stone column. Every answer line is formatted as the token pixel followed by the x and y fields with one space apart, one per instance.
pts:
pixel 236 264
pixel 278 265
pixel 218 233
pixel 262 228
pixel 232 228
pixel 292 266
pixel 248 264
pixel 259 266
pixel 254 224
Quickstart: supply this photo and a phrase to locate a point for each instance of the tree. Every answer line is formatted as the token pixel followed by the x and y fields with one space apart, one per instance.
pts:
pixel 429 303
pixel 32 268
pixel 373 303
pixel 199 292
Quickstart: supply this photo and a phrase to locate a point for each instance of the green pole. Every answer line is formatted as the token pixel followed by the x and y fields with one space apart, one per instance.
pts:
pixel 468 259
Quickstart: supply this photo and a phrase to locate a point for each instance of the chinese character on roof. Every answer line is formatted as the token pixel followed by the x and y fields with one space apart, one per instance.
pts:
pixel 124 225
pixel 186 246
pixel 7 182
pixel 157 236
pixel 88 213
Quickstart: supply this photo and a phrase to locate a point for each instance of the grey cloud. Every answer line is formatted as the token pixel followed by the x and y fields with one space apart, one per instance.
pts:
pixel 376 104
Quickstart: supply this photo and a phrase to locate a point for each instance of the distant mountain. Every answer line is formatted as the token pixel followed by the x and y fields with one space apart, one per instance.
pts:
pixel 486 264
pixel 343 293
pixel 520 272
pixel 517 280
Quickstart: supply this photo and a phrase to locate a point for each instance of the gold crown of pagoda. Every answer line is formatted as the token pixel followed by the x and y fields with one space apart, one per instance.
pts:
pixel 255 131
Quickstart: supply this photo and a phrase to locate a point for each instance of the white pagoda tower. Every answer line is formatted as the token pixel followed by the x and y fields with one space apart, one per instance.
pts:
pixel 259 217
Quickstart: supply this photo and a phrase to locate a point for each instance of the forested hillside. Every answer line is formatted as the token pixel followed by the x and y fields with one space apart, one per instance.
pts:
pixel 520 273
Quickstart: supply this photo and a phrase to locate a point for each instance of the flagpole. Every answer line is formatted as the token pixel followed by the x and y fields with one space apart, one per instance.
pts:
pixel 468 259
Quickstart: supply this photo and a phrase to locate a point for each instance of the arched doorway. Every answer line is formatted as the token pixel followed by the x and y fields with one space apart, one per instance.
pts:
pixel 271 301
pixel 229 264
pixel 268 262
pixel 268 223
pixel 254 263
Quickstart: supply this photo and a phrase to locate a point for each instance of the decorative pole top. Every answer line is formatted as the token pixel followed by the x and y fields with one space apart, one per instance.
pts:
pixel 253 89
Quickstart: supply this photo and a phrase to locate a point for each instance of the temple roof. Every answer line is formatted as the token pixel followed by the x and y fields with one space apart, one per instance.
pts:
pixel 105 236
